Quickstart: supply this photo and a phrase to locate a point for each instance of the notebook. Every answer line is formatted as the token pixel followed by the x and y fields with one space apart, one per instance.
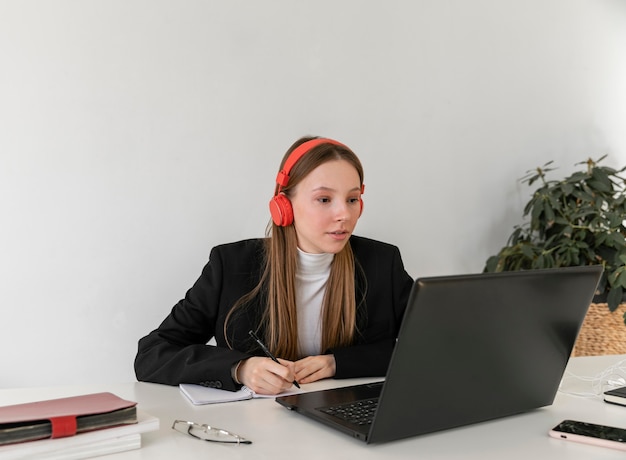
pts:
pixel 471 348
pixel 199 395
pixel 57 418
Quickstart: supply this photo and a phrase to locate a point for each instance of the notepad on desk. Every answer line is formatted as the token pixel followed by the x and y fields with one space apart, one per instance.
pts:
pixel 616 396
pixel 199 395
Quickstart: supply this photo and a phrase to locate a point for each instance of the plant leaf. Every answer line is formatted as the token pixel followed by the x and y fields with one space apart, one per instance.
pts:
pixel 620 280
pixel 614 298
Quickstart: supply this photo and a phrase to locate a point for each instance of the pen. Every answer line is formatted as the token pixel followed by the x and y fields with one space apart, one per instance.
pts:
pixel 267 352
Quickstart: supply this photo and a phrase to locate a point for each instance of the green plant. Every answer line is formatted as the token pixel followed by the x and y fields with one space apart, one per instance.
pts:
pixel 575 221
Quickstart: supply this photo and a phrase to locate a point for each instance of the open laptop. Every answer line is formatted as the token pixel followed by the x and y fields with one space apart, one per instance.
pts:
pixel 471 348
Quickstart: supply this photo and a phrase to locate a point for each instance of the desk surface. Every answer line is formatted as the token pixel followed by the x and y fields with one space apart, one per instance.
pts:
pixel 278 433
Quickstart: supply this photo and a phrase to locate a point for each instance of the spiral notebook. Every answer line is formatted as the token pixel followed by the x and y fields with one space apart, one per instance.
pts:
pixel 199 395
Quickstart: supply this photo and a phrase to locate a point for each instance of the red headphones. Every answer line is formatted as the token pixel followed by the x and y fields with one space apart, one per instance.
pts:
pixel 280 206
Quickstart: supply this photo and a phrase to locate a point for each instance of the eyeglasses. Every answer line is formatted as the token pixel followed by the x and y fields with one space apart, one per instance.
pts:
pixel 208 433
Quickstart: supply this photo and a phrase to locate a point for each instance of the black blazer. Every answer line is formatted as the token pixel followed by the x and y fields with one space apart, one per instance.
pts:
pixel 177 353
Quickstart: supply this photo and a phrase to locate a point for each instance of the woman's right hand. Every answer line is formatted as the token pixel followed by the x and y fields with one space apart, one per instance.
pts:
pixel 264 376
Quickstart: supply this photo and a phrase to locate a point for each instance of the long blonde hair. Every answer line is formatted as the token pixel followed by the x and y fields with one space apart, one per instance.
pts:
pixel 277 287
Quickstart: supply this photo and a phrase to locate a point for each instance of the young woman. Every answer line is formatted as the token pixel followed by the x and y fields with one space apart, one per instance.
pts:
pixel 325 302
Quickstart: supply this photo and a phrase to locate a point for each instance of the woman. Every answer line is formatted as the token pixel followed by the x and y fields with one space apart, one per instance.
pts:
pixel 325 302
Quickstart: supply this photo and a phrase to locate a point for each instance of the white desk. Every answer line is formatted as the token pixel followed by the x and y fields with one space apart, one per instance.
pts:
pixel 280 434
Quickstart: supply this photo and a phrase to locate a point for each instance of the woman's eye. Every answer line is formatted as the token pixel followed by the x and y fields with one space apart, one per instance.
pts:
pixel 324 200
pixel 353 200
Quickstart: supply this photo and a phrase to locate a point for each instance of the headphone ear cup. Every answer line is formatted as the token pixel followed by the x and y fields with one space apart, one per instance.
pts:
pixel 281 210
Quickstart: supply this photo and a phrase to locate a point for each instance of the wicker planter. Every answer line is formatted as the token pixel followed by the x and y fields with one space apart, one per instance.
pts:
pixel 603 332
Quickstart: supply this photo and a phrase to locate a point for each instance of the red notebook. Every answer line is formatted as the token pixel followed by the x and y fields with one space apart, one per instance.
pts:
pixel 56 418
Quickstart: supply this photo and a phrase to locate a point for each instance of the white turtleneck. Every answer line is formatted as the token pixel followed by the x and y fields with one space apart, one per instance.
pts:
pixel 311 279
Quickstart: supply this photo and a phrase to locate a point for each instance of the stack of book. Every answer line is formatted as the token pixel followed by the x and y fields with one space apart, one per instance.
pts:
pixel 77 427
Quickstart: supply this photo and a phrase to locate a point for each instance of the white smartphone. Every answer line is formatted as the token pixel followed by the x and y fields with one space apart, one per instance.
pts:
pixel 589 433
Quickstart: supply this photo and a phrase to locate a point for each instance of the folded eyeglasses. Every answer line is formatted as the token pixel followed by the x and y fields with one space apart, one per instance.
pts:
pixel 208 433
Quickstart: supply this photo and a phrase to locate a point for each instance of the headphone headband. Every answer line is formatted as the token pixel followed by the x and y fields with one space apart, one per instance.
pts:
pixel 282 178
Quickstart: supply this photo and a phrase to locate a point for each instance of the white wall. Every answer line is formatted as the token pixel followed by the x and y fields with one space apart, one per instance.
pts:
pixel 135 135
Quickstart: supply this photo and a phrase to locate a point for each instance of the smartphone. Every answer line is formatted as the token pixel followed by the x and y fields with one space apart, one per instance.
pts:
pixel 589 433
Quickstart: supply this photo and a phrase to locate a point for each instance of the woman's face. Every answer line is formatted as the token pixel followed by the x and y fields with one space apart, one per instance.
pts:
pixel 326 207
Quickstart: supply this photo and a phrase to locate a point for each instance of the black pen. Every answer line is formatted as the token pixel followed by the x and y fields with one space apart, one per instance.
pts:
pixel 267 352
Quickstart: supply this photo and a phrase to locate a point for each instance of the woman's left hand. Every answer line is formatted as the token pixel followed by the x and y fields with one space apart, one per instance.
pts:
pixel 313 368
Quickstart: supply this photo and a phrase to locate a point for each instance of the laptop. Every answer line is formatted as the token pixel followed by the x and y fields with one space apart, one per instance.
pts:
pixel 471 348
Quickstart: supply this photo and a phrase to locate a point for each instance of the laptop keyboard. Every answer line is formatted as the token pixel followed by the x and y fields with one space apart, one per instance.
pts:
pixel 356 412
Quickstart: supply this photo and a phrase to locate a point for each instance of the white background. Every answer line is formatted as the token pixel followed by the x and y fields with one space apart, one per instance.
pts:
pixel 135 135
